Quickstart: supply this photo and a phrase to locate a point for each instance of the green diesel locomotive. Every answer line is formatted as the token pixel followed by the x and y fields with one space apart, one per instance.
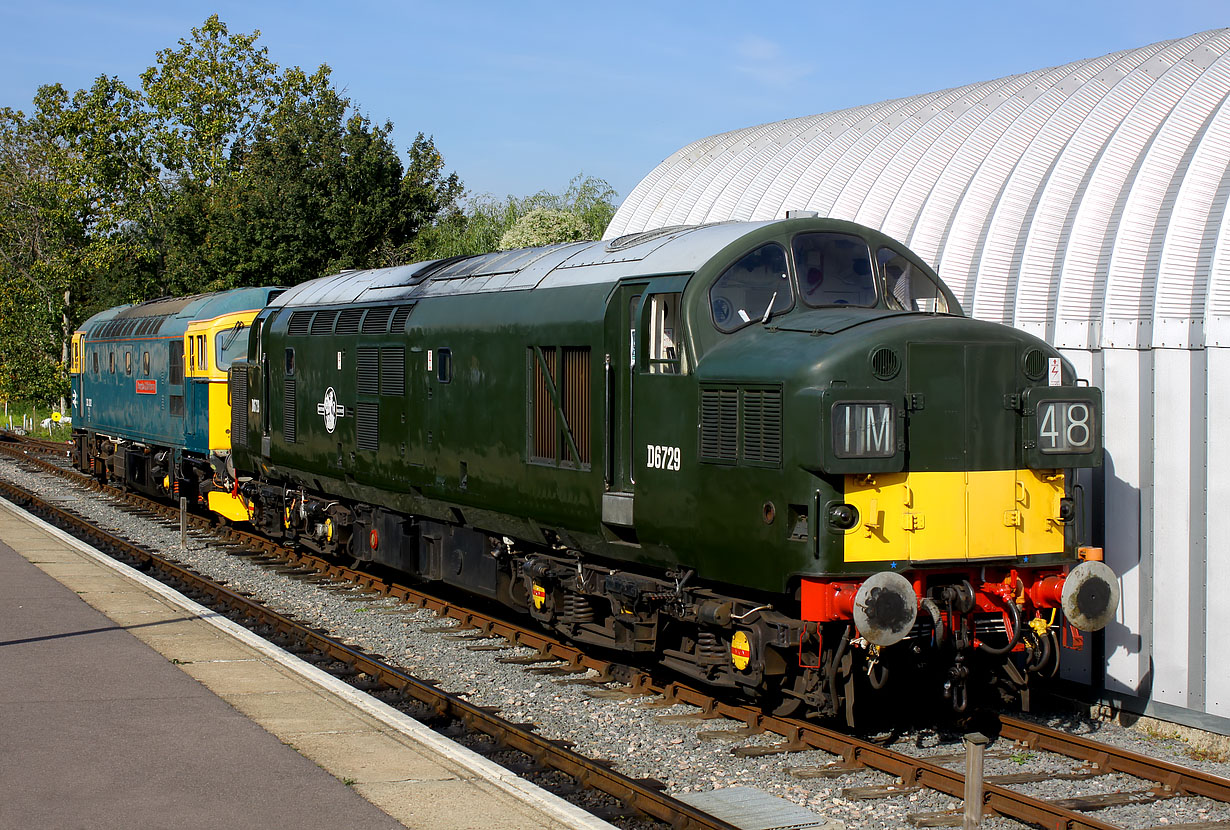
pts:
pixel 773 456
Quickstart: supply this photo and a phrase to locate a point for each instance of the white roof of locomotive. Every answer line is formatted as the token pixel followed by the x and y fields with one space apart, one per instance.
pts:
pixel 678 250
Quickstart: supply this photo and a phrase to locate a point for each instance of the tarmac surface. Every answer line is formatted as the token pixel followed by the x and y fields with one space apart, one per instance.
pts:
pixel 124 704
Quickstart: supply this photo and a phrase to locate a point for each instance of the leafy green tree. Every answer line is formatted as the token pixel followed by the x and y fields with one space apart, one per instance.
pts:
pixel 67 176
pixel 212 93
pixel 222 170
pixel 480 227
pixel 590 198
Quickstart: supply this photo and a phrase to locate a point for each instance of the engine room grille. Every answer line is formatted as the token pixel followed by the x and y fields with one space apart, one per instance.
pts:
pixel 399 318
pixel 348 321
pixel 239 406
pixel 290 414
pixel 367 425
pixel 544 434
pixel 377 320
pixel 322 323
pixel 762 426
pixel 368 371
pixel 393 371
pixel 300 321
pixel 740 425
pixel 176 371
pixel 560 422
pixel 574 395
pixel 719 425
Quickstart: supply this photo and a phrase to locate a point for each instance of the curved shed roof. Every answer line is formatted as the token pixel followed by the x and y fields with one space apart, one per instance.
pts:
pixel 1085 203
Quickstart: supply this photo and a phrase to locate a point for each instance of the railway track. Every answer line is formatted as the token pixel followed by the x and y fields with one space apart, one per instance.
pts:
pixel 41 446
pixel 1156 779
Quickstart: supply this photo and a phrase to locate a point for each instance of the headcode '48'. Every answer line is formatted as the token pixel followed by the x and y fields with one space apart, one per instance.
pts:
pixel 1065 426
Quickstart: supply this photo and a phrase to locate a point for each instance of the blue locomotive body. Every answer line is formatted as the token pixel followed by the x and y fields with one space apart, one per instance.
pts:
pixel 149 398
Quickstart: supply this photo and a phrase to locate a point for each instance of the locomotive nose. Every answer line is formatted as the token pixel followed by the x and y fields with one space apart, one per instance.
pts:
pixel 1090 595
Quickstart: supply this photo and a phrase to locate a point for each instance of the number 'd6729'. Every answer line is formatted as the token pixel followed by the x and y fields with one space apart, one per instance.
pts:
pixel 662 458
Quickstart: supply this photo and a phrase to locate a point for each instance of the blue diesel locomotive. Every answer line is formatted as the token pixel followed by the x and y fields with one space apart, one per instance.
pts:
pixel 149 396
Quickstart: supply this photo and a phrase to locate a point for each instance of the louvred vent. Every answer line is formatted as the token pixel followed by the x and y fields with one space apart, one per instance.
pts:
pixel 367 426
pixel 719 425
pixel 300 321
pixel 348 321
pixel 377 320
pixel 762 426
pixel 239 406
pixel 290 415
pixel 368 375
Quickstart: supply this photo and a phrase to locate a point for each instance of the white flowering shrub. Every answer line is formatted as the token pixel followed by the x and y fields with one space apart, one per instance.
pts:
pixel 544 226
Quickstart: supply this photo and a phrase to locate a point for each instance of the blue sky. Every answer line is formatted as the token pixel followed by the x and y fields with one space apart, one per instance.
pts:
pixel 521 96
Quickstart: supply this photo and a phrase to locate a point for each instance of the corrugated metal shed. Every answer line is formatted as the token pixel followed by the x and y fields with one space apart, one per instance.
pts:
pixel 1086 204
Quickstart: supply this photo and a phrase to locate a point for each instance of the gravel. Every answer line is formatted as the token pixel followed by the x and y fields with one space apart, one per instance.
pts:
pixel 630 730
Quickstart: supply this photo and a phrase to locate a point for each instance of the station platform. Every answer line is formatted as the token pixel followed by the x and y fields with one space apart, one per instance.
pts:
pixel 125 704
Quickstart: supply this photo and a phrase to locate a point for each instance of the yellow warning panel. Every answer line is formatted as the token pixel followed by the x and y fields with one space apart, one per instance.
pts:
pixel 879 500
pixel 1038 494
pixel 993 514
pixel 936 505
pixel 954 515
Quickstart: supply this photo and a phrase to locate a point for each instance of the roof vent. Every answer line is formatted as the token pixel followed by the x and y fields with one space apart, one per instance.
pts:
pixel 802 214
pixel 631 240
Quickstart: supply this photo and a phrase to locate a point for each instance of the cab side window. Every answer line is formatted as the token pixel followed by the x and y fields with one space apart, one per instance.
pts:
pixel 752 290
pixel 907 287
pixel 665 336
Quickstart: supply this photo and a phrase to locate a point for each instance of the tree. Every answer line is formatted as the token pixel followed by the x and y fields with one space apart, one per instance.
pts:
pixel 66 176
pixel 273 176
pixel 481 226
pixel 212 93
pixel 221 171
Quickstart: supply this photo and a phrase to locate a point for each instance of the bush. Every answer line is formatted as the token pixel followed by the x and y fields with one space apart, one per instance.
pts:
pixel 542 226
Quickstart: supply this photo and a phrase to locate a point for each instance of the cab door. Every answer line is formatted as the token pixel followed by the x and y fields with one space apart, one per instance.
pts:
pixel 619 370
pixel 175 387
pixel 196 389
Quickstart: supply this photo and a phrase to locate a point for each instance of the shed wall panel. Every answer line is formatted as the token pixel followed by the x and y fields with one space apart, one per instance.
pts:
pixel 1128 426
pixel 1169 498
pixel 1217 533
